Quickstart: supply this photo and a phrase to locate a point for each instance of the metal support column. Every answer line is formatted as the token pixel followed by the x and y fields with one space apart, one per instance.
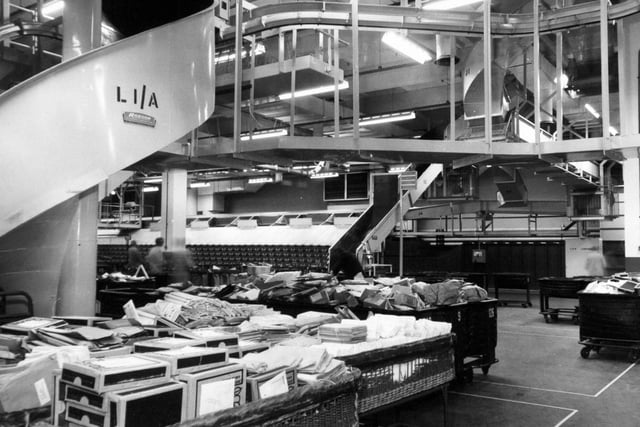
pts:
pixel 604 69
pixel 452 89
pixel 559 88
pixel 536 72
pixel 488 60
pixel 237 89
pixel 174 208
pixel 336 82
pixel 292 102
pixel 77 289
pixel 355 53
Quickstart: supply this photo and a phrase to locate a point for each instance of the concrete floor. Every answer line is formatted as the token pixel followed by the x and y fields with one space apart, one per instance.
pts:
pixel 540 380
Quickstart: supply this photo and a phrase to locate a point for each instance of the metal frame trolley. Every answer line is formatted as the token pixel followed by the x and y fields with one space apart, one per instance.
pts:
pixel 609 321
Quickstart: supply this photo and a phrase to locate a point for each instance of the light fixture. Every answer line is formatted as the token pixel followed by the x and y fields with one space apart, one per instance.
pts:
pixel 406 46
pixel 448 4
pixel 613 131
pixel 260 180
pixel 564 79
pixel 150 189
pixel 398 168
pixel 53 9
pixel 592 110
pixel 314 91
pixel 264 134
pixel 199 184
pixel 387 118
pixel 231 56
pixel 153 180
pixel 324 175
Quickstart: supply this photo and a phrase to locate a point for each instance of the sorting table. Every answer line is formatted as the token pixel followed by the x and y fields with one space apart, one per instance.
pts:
pixel 560 287
pixel 513 281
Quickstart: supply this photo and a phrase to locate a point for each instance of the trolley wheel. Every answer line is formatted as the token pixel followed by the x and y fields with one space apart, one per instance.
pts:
pixel 546 319
pixel 634 355
pixel 554 317
pixel 585 352
pixel 485 370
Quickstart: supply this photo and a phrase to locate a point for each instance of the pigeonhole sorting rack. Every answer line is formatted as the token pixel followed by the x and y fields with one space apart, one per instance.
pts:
pixel 609 321
pixel 560 287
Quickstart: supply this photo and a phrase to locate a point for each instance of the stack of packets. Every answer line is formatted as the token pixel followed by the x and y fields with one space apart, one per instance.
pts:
pixel 107 337
pixel 190 311
pixel 384 293
pixel 386 331
pixel 343 332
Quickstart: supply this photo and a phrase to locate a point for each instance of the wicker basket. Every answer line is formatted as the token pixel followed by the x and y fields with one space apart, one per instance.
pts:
pixel 320 404
pixel 402 372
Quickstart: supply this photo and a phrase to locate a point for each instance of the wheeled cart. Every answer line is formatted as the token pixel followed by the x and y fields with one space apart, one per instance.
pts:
pixel 609 321
pixel 560 287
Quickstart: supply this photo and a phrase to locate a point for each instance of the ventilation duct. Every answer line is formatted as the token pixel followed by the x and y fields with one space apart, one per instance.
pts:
pixel 473 86
pixel 512 193
pixel 443 51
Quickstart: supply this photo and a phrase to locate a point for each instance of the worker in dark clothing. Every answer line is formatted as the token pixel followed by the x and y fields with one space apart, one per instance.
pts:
pixel 348 264
pixel 135 258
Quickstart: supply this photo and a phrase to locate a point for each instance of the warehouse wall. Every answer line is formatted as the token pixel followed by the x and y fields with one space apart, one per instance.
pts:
pixel 539 258
pixel 288 195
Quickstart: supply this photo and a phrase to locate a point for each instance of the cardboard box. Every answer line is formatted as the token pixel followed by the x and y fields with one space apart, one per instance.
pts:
pixel 188 359
pixel 260 386
pixel 211 337
pixel 212 390
pixel 84 416
pixel 113 373
pixel 83 397
pixel 152 406
pixel 167 343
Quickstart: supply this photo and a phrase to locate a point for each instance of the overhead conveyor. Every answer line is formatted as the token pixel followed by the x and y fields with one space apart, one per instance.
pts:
pixel 410 18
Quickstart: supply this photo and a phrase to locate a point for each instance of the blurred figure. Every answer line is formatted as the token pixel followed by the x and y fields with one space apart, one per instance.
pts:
pixel 135 258
pixel 348 264
pixel 595 264
pixel 179 263
pixel 155 258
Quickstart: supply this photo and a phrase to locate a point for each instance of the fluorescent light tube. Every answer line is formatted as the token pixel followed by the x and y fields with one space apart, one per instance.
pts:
pixel 150 189
pixel 199 184
pixel 53 9
pixel 388 118
pixel 264 134
pixel 231 56
pixel 314 91
pixel 406 46
pixel 613 131
pixel 152 180
pixel 260 180
pixel 592 110
pixel 398 169
pixel 324 175
pixel 448 4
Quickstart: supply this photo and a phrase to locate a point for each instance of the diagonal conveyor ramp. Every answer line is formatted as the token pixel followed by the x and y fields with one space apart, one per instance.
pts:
pixel 72 126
